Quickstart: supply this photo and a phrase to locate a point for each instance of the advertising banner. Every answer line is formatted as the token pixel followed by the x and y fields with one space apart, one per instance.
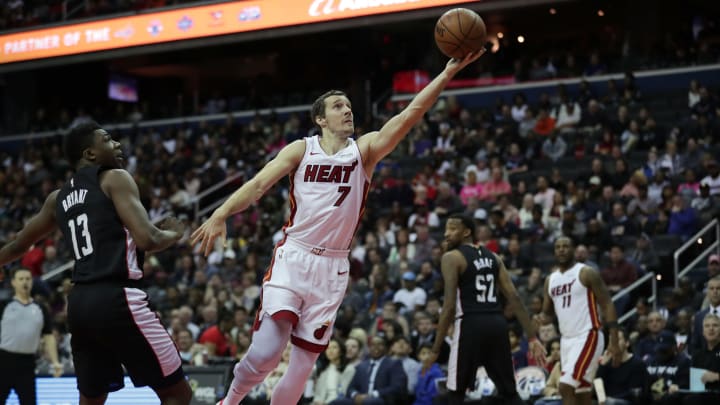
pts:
pixel 191 23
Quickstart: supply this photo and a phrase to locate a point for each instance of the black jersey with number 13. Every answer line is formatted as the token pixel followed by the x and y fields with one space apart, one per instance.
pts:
pixel 478 284
pixel 102 246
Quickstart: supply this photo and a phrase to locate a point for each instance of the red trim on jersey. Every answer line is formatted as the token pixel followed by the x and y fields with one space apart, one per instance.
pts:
pixel 266 277
pixel 584 384
pixel 127 251
pixel 309 346
pixel 592 306
pixel 286 315
pixel 586 355
pixel 366 189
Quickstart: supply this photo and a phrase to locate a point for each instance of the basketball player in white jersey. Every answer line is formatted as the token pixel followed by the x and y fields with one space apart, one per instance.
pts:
pixel 304 286
pixel 574 292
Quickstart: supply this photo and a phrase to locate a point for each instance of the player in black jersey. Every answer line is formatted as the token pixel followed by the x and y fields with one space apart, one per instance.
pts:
pixel 473 277
pixel 105 225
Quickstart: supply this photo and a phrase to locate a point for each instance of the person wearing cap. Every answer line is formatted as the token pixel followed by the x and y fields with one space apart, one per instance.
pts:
pixel 713 177
pixel 712 298
pixel 669 370
pixel 410 296
pixel 708 358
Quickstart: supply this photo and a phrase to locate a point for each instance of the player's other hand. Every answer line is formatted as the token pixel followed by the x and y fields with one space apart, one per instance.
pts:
pixel 537 351
pixel 172 224
pixel 208 232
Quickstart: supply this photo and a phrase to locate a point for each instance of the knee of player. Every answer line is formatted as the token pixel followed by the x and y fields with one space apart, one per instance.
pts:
pixel 261 361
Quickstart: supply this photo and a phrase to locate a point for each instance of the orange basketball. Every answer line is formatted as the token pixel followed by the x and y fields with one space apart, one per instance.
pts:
pixel 459 32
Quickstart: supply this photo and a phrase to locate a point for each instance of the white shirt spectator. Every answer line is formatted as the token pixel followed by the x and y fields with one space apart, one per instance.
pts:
pixel 713 183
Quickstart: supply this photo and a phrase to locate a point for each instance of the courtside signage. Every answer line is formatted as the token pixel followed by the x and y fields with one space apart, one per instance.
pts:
pixel 193 22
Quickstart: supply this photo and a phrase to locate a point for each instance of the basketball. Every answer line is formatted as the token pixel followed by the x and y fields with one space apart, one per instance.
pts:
pixel 459 32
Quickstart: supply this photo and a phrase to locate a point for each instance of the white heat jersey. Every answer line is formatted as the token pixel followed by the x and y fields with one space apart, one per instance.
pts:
pixel 575 304
pixel 327 196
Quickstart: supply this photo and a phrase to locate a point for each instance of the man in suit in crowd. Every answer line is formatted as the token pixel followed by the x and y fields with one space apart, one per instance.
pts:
pixel 379 380
pixel 713 299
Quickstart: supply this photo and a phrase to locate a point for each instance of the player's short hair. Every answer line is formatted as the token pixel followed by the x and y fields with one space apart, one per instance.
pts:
pixel 13 272
pixel 466 221
pixel 79 138
pixel 318 107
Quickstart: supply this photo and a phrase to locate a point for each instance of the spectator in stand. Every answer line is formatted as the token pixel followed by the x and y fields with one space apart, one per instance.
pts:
pixel 400 349
pixel 644 255
pixel 515 161
pixel 705 106
pixel 713 307
pixel 504 205
pixel 544 195
pixel 496 187
pixel 545 124
pixel 713 178
pixel 525 213
pixel 621 225
pixel 379 379
pixel 672 159
pixel 708 358
pixel 567 116
pixel 426 388
pixel 630 137
pixel 471 188
pixel 628 382
pixel 606 144
pixel 554 147
pixel 217 338
pixel 652 165
pixel 618 275
pixel 334 374
pixel 669 370
pixel 516 263
pixel 446 201
pixel 411 297
pixel 645 346
pixel 683 219
pixel 191 353
pixel 582 255
pixel 519 107
pixel 484 237
pixel 593 119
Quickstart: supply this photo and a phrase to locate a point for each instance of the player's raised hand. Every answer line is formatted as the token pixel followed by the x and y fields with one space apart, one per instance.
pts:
pixel 455 65
pixel 208 232
pixel 537 351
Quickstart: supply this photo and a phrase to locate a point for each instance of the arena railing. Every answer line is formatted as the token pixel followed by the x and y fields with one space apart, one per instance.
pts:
pixel 637 284
pixel 699 239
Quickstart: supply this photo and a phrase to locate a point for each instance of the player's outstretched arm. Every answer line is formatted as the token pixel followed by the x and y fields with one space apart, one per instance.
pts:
pixel 36 228
pixel 122 190
pixel 451 264
pixel 511 295
pixel 377 145
pixel 591 279
pixel 285 162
